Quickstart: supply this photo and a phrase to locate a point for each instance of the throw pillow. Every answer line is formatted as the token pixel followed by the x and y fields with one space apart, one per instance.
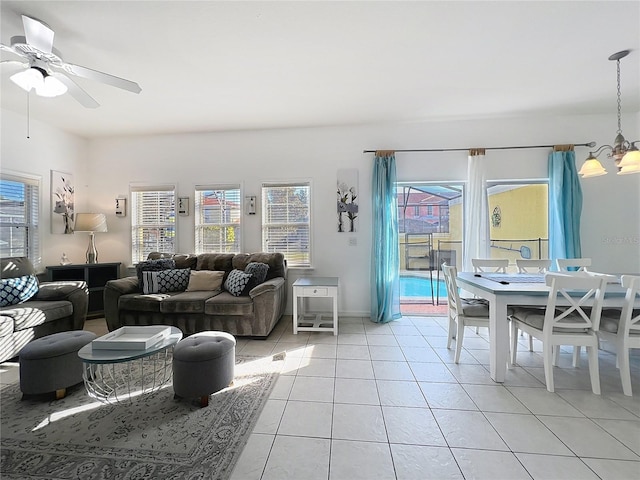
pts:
pixel 259 272
pixel 237 282
pixel 163 281
pixel 18 289
pixel 153 266
pixel 205 280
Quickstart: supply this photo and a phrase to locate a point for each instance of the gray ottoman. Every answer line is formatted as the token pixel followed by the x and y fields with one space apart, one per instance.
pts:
pixel 203 364
pixel 51 363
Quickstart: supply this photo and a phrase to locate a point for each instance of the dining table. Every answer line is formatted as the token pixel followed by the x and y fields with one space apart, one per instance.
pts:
pixel 504 290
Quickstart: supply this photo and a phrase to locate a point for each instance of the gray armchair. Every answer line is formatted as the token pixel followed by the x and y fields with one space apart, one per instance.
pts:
pixel 57 307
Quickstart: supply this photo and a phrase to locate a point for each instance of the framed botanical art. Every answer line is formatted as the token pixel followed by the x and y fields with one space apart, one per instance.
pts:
pixel 347 190
pixel 62 202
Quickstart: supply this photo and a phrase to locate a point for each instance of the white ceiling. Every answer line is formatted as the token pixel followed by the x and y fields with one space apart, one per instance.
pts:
pixel 213 66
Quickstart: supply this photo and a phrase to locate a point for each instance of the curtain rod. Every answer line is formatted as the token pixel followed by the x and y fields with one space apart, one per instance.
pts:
pixel 589 144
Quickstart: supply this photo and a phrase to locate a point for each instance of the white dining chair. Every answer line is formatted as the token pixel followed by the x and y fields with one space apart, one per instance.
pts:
pixel 556 325
pixel 564 264
pixel 494 265
pixel 621 327
pixel 463 312
pixel 526 265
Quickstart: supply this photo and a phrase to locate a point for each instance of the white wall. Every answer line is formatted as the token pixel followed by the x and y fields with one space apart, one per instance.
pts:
pixel 611 217
pixel 47 149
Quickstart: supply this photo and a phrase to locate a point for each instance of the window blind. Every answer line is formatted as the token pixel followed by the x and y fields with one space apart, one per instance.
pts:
pixel 19 217
pixel 153 220
pixel 286 223
pixel 218 219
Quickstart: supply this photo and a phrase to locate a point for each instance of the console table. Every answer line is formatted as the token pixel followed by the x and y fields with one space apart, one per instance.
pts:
pixel 316 287
pixel 95 274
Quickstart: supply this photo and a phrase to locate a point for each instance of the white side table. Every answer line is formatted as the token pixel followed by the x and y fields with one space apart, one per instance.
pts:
pixel 318 287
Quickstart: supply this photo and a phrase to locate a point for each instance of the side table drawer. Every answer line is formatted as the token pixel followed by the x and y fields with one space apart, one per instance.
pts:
pixel 314 292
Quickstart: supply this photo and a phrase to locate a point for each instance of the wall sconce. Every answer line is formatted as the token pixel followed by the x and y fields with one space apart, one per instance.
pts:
pixel 121 207
pixel 250 204
pixel 183 206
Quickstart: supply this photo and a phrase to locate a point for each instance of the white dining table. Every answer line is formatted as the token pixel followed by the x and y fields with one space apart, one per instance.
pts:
pixel 505 290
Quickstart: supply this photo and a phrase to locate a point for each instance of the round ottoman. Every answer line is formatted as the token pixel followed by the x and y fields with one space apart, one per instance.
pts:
pixel 203 364
pixel 51 363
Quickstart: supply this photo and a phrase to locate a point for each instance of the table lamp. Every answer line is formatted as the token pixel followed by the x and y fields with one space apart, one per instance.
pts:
pixel 92 223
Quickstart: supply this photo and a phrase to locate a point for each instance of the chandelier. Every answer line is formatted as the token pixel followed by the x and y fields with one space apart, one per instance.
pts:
pixel 624 153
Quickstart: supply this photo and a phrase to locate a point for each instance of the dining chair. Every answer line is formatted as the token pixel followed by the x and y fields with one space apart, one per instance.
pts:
pixel 621 327
pixel 463 312
pixel 526 265
pixel 494 265
pixel 564 264
pixel 555 325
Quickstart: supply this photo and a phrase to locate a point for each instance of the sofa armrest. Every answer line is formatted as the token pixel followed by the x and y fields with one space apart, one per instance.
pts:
pixel 113 290
pixel 267 286
pixel 75 292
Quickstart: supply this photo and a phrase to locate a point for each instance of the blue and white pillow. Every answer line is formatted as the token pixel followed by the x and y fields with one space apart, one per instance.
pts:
pixel 164 281
pixel 237 281
pixel 18 289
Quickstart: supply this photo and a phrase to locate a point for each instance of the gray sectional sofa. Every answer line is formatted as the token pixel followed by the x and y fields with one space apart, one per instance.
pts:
pixel 253 314
pixel 56 307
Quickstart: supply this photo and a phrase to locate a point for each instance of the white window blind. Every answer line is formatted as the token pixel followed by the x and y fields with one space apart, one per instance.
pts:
pixel 286 222
pixel 218 215
pixel 19 217
pixel 153 220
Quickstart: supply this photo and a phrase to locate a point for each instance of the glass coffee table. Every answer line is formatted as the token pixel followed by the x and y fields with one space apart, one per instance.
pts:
pixel 112 375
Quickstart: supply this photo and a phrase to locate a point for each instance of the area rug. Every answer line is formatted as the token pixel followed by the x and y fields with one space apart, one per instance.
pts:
pixel 151 436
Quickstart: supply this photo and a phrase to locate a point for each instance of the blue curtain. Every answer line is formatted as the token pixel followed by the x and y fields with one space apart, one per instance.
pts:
pixel 565 206
pixel 385 267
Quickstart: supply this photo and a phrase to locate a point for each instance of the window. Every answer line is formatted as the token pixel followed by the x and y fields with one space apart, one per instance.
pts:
pixel 286 223
pixel 153 220
pixel 19 209
pixel 218 214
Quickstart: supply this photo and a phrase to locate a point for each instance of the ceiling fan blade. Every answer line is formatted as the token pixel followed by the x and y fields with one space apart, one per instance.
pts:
pixel 38 34
pixel 102 77
pixel 76 92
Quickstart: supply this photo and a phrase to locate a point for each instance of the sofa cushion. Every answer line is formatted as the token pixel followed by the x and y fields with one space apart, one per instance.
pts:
pixel 164 281
pixel 215 261
pixel 142 303
pixel 274 260
pixel 6 325
pixel 227 304
pixel 153 266
pixel 37 312
pixel 237 282
pixel 205 280
pixel 17 290
pixel 12 267
pixel 187 302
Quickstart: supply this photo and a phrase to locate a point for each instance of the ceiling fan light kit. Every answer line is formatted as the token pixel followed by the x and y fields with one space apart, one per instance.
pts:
pixel 45 71
pixel 624 153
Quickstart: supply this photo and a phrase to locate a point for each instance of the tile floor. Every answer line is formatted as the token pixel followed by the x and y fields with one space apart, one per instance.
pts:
pixel 386 402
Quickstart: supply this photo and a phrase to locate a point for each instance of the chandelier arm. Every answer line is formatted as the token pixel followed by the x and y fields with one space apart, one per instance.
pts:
pixel 600 150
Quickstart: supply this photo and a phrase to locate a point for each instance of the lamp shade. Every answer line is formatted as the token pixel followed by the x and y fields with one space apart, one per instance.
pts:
pixel 91 222
pixel 592 168
pixel 631 159
pixel 28 79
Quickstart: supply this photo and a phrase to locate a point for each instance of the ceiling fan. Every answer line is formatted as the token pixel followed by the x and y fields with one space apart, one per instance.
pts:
pixel 47 73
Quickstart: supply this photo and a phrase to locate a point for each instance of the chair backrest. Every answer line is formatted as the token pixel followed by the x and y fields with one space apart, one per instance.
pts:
pixel 495 265
pixel 533 266
pixel 584 308
pixel 564 264
pixel 628 323
pixel 453 295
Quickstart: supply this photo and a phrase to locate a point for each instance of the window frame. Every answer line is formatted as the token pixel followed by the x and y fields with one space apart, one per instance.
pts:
pixel 265 225
pixel 200 225
pixel 32 214
pixel 134 191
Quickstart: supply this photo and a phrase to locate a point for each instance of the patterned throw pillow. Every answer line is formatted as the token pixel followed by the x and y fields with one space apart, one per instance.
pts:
pixel 173 280
pixel 17 290
pixel 153 266
pixel 259 272
pixel 236 283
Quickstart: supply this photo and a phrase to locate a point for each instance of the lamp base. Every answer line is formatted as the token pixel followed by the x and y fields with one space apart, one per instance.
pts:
pixel 92 253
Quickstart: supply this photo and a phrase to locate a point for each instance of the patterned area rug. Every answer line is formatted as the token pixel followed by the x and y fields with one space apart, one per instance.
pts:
pixel 152 436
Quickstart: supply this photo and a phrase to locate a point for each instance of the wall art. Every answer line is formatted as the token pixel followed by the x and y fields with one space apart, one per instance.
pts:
pixel 347 199
pixel 62 202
